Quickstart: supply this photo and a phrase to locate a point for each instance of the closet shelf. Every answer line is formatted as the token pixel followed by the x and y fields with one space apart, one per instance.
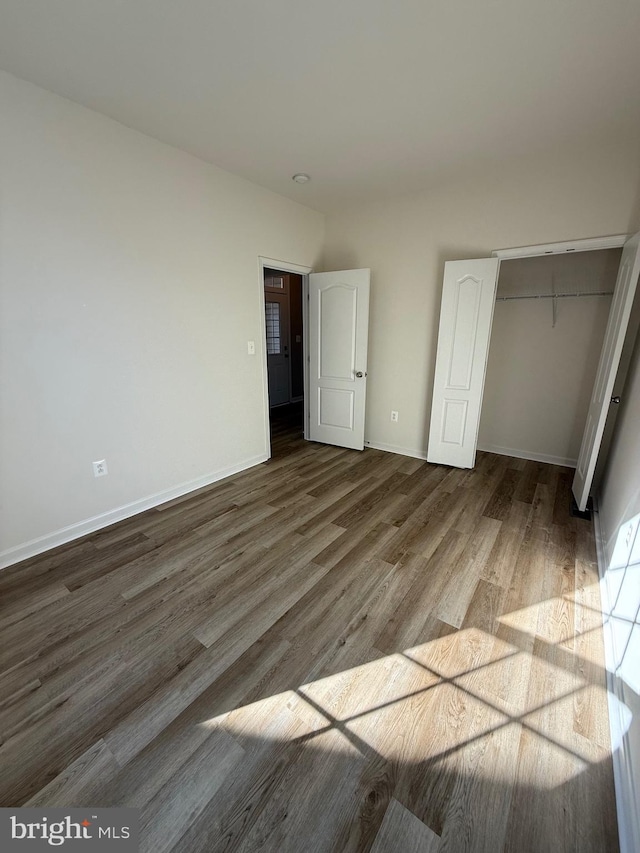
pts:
pixel 555 295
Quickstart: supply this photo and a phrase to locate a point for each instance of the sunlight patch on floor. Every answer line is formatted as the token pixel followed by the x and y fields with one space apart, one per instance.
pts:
pixel 465 697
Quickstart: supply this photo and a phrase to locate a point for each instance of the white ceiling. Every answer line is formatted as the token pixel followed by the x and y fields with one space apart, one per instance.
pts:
pixel 371 97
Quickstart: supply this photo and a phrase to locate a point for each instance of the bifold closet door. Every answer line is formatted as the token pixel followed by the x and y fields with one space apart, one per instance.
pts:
pixel 466 314
pixel 601 399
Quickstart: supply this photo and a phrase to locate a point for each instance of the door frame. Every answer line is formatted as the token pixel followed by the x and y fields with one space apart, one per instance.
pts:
pixel 589 244
pixel 298 269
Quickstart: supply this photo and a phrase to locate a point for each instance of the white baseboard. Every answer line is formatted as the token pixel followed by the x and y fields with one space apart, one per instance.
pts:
pixel 623 776
pixel 97 522
pixel 488 448
pixel 394 448
pixel 527 454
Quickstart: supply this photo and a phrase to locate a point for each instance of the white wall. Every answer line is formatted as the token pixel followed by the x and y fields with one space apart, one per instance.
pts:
pixel 620 489
pixel 619 523
pixel 540 377
pixel 129 288
pixel 570 194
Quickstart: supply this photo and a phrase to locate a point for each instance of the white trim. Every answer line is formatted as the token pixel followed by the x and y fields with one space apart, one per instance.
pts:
pixel 262 349
pixel 285 266
pixel 626 808
pixel 591 244
pixel 305 355
pixel 394 448
pixel 565 461
pixel 97 522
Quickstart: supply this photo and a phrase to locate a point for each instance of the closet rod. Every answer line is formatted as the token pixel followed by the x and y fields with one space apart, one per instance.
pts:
pixel 555 295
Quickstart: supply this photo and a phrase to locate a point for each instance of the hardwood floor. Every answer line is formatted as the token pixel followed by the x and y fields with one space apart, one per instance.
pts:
pixel 334 651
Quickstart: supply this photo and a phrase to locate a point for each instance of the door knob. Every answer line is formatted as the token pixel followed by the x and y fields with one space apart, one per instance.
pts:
pixel 360 374
pixel 615 400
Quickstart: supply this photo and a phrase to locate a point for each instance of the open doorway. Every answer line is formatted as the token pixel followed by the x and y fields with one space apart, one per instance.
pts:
pixel 315 332
pixel 284 331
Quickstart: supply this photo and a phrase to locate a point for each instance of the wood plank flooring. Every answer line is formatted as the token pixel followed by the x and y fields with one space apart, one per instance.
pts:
pixel 333 651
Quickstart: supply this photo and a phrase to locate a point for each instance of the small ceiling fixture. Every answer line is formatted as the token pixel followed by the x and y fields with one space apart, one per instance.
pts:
pixel 301 178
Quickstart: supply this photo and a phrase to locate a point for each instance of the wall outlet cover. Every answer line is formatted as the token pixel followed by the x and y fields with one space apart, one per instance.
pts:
pixel 100 468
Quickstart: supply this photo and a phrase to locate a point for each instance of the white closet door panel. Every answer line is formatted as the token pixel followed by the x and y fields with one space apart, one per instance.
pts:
pixel 338 339
pixel 607 369
pixel 466 314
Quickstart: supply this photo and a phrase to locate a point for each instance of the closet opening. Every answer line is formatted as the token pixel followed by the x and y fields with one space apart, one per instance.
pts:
pixel 549 322
pixel 562 326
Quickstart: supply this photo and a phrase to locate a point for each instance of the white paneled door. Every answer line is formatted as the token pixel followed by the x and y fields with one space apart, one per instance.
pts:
pixel 338 336
pixel 601 399
pixel 466 314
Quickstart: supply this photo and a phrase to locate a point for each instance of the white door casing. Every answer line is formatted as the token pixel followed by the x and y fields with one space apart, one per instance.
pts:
pixel 466 315
pixel 338 339
pixel 614 337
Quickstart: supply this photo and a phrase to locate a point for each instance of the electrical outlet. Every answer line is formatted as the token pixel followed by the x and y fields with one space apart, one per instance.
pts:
pixel 251 347
pixel 100 468
pixel 394 416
